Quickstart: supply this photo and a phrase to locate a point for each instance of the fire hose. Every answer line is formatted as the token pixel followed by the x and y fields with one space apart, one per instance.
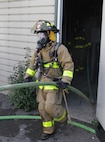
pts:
pixel 36 84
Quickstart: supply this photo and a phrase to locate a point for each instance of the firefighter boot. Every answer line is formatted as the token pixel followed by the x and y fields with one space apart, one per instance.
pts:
pixel 45 136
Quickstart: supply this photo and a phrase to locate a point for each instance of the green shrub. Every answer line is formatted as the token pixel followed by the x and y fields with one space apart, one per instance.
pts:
pixel 23 98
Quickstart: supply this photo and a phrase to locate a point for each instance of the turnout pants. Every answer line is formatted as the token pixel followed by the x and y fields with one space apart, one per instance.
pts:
pixel 50 108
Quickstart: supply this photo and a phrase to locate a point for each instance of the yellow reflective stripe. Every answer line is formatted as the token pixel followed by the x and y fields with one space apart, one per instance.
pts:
pixel 81 38
pixel 62 117
pixel 37 80
pixel 54 65
pixel 52 24
pixel 81 68
pixel 48 24
pixel 68 73
pixel 30 72
pixel 69 43
pixel 79 46
pixel 77 70
pixel 41 87
pixel 88 44
pixel 48 87
pixel 47 65
pixel 48 124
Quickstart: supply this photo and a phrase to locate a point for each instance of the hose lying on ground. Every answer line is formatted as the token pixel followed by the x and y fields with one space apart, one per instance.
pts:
pixel 74 123
pixel 36 84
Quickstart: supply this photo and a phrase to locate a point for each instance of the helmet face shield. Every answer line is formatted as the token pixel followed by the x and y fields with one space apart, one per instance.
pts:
pixel 41 35
pixel 38 27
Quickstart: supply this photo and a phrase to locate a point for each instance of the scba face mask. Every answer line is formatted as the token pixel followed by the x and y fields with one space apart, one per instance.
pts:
pixel 43 39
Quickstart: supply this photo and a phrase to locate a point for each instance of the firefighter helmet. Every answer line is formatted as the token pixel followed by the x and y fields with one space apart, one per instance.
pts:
pixel 42 26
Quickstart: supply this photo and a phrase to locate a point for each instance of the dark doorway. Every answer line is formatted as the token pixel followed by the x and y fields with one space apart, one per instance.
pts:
pixel 81 35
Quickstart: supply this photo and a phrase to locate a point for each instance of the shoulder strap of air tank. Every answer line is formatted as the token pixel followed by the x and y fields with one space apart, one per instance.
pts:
pixel 56 49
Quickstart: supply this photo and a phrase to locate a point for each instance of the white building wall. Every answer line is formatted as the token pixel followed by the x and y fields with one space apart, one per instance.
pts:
pixel 100 113
pixel 16 19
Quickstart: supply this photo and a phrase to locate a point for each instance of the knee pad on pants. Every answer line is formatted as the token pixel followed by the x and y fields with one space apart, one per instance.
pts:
pixel 49 108
pixel 54 110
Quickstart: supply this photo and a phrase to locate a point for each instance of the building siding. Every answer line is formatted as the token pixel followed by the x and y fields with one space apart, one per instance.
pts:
pixel 16 19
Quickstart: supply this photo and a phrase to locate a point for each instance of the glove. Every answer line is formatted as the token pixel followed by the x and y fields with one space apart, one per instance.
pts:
pixel 28 79
pixel 61 84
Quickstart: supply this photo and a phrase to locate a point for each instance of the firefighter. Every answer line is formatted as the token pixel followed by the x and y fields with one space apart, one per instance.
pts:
pixel 80 46
pixel 51 67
